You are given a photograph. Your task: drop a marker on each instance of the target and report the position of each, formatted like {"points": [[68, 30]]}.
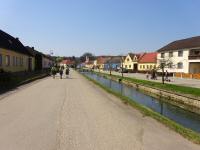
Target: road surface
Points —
{"points": [[74, 114]]}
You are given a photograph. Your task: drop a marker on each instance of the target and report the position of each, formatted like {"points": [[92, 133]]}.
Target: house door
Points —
{"points": [[135, 67]]}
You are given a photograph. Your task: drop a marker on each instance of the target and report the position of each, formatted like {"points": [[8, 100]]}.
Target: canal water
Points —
{"points": [[177, 114]]}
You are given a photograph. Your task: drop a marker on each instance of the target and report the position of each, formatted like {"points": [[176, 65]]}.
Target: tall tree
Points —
{"points": [[87, 54]]}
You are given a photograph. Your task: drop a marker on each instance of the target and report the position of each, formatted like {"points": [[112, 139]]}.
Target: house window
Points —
{"points": [[129, 66], [147, 66], [162, 55], [125, 66], [21, 61], [150, 66], [0, 60], [16, 61], [170, 65], [170, 54], [140, 66], [7, 60], [180, 65], [180, 53], [13, 61], [143, 66], [127, 59]]}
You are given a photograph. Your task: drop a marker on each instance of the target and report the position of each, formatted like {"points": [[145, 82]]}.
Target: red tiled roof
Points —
{"points": [[148, 58], [102, 60], [67, 62]]}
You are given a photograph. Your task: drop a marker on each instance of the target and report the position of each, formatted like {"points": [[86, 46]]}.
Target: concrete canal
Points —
{"points": [[177, 114]]}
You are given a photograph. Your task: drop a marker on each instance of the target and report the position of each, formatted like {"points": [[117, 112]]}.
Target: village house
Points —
{"points": [[14, 57], [101, 61], [89, 63], [41, 61], [131, 62], [147, 62], [47, 61], [114, 63], [184, 56], [67, 62]]}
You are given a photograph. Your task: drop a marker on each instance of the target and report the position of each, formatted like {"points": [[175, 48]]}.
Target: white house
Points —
{"points": [[183, 54]]}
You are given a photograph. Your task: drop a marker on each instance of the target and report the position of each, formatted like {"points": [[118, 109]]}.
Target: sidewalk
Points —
{"points": [[177, 81]]}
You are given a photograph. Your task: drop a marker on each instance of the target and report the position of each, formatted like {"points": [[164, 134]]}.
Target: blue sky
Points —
{"points": [[72, 27]]}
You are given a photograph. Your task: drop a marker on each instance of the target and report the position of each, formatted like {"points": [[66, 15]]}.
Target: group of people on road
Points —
{"points": [[153, 75], [60, 70]]}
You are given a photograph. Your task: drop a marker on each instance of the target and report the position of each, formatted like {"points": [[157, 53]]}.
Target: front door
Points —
{"points": [[135, 67]]}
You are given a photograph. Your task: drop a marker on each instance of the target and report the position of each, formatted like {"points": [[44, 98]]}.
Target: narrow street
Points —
{"points": [[74, 114]]}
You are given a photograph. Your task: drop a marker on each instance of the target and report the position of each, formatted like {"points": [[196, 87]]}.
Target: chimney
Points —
{"points": [[17, 38]]}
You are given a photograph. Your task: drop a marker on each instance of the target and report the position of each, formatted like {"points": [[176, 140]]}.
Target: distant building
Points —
{"points": [[67, 62], [147, 62], [184, 55], [14, 57], [41, 61], [131, 62], [101, 61], [114, 63]]}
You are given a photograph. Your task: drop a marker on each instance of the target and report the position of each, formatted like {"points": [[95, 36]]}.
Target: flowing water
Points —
{"points": [[177, 114]]}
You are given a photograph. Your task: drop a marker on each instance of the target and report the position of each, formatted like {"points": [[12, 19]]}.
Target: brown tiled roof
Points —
{"points": [[132, 55], [10, 43], [181, 44]]}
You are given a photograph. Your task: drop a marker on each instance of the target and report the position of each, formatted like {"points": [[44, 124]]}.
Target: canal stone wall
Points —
{"points": [[184, 101]]}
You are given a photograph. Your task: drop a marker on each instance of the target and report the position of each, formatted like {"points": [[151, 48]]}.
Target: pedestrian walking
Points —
{"points": [[67, 72], [147, 75], [53, 71], [61, 72]]}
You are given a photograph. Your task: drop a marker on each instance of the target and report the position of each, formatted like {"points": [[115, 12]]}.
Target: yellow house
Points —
{"points": [[131, 62], [147, 62], [14, 57]]}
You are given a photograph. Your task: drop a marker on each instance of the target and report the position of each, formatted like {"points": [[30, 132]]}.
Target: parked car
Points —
{"points": [[123, 70]]}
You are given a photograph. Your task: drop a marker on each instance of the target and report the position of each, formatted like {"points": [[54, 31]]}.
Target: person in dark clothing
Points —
{"points": [[67, 72], [53, 71], [61, 72]]}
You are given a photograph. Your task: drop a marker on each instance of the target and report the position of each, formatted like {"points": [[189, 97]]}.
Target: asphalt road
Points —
{"points": [[74, 114]]}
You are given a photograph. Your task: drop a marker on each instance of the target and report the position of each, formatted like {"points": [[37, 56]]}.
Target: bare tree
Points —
{"points": [[163, 64]]}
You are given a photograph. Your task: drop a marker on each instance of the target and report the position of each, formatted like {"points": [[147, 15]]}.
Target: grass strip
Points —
{"points": [[185, 132], [170, 87]]}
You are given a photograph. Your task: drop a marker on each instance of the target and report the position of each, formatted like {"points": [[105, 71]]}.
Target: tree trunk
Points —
{"points": [[163, 81]]}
